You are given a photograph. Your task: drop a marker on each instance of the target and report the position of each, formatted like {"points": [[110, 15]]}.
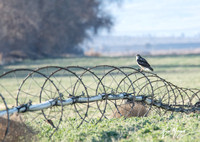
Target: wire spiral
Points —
{"points": [[51, 95]]}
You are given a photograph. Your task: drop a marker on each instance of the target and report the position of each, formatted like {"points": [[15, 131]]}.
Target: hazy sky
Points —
{"points": [[156, 17]]}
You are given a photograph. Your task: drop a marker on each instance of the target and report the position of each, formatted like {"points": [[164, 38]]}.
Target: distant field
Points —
{"points": [[183, 71], [180, 70]]}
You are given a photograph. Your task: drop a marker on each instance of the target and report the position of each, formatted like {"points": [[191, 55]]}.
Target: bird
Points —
{"points": [[143, 64]]}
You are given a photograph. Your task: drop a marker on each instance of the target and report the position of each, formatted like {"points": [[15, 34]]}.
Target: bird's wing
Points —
{"points": [[143, 62]]}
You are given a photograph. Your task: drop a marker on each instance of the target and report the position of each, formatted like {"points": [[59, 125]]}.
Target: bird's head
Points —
{"points": [[138, 56]]}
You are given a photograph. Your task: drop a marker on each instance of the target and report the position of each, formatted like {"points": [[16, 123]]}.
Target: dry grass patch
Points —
{"points": [[128, 110]]}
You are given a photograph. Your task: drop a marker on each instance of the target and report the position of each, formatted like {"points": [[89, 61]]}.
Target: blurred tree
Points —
{"points": [[48, 28]]}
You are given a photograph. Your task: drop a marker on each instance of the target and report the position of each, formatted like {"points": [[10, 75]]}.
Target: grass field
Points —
{"points": [[183, 71]]}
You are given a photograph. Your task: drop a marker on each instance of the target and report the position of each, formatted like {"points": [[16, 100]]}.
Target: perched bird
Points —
{"points": [[144, 65]]}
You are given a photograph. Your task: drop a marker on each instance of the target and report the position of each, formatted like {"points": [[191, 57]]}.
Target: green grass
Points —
{"points": [[153, 128], [183, 71], [179, 70]]}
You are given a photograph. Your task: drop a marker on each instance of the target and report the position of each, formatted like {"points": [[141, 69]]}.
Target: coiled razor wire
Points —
{"points": [[52, 94]]}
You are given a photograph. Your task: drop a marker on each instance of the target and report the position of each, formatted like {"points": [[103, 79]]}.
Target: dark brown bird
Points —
{"points": [[144, 65]]}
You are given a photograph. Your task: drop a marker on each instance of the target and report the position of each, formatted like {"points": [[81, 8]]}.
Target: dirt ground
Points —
{"points": [[17, 131]]}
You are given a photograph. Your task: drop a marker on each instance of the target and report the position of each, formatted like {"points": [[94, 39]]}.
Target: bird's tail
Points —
{"points": [[151, 68]]}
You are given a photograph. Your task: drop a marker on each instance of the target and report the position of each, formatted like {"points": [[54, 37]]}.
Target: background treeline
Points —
{"points": [[48, 28]]}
